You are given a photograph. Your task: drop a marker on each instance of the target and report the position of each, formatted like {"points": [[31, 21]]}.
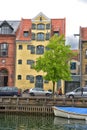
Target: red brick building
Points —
{"points": [[7, 52]]}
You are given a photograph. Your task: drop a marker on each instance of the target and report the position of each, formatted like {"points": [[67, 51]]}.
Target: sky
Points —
{"points": [[74, 11]]}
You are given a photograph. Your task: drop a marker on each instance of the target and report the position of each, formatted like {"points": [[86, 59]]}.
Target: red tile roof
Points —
{"points": [[25, 25], [58, 25], [76, 57]]}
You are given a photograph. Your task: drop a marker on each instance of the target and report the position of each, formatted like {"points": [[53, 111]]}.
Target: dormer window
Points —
{"points": [[26, 33], [5, 28], [56, 33]]}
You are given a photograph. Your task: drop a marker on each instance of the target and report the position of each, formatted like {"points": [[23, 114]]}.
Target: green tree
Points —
{"points": [[54, 62]]}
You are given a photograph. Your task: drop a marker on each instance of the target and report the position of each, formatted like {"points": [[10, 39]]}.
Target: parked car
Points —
{"points": [[78, 92], [10, 91], [39, 92]]}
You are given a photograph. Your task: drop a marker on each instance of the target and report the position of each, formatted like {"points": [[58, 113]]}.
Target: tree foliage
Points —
{"points": [[54, 62]]}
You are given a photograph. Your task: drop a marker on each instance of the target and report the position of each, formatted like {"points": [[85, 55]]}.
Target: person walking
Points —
{"points": [[59, 91]]}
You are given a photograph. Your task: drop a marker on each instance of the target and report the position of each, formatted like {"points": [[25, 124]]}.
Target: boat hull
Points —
{"points": [[69, 115]]}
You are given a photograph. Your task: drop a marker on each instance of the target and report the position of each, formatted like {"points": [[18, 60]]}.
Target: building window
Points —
{"points": [[5, 29], [32, 48], [39, 49], [47, 26], [19, 61], [47, 36], [19, 77], [31, 63], [85, 69], [73, 65], [56, 33], [40, 36], [20, 47], [26, 33], [41, 26], [86, 54], [33, 26], [31, 78], [33, 36], [3, 49]]}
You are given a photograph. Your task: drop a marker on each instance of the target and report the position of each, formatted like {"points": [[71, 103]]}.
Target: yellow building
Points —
{"points": [[31, 40]]}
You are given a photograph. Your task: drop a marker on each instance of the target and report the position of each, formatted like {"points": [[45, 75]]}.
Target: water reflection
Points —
{"points": [[71, 124], [31, 122]]}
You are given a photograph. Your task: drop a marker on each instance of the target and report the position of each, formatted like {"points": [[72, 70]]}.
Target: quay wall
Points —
{"points": [[38, 105]]}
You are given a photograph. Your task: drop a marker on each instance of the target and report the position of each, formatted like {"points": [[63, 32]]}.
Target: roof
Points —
{"points": [[58, 25], [25, 25], [76, 57], [13, 24]]}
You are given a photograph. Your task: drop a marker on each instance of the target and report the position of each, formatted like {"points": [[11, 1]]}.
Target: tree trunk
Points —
{"points": [[53, 87]]}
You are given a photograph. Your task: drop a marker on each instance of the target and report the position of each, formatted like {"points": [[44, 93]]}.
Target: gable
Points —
{"points": [[40, 17]]}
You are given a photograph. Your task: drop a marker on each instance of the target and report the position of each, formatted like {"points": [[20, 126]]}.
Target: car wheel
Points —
{"points": [[47, 94], [31, 94], [71, 96]]}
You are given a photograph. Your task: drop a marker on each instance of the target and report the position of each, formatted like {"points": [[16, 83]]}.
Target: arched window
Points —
{"points": [[3, 49], [40, 26], [40, 36], [40, 49]]}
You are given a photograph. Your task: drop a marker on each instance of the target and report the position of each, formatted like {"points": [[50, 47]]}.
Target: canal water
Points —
{"points": [[33, 122]]}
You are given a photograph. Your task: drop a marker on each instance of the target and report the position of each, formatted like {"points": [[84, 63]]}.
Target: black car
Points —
{"points": [[10, 91]]}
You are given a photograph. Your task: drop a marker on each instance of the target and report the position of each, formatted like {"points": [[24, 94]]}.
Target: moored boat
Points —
{"points": [[70, 112]]}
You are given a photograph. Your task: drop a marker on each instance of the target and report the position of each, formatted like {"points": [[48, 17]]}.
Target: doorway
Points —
{"points": [[3, 77]]}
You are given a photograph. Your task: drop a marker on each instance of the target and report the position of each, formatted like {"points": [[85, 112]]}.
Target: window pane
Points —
{"points": [[6, 30], [47, 26], [73, 65], [19, 77], [40, 26], [40, 37], [33, 26], [30, 62], [20, 47], [19, 61], [26, 33], [33, 36], [4, 49], [40, 50], [32, 48], [31, 78], [47, 36]]}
